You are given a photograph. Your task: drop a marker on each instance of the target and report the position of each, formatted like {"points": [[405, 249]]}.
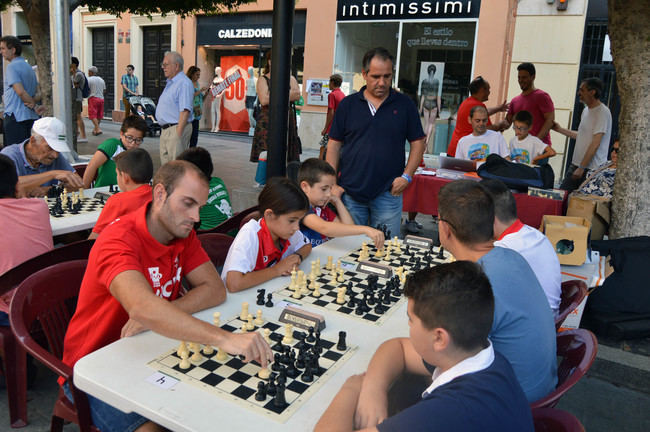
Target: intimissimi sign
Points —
{"points": [[353, 10]]}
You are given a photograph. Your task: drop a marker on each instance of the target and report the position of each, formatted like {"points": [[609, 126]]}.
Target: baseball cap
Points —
{"points": [[53, 130]]}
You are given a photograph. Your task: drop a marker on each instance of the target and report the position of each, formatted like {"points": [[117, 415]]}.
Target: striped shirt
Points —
{"points": [[131, 82]]}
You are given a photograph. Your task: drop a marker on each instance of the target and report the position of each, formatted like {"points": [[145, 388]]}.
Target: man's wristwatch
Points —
{"points": [[407, 177]]}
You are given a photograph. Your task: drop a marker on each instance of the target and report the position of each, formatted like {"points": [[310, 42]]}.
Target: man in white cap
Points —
{"points": [[38, 162]]}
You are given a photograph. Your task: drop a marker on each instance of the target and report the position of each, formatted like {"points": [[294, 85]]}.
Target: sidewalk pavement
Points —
{"points": [[615, 394]]}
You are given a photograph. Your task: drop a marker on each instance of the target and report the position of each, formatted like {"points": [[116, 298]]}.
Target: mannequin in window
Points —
{"points": [[251, 95], [430, 103], [215, 109]]}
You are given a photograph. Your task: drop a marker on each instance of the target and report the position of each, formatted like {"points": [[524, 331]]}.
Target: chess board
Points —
{"points": [[237, 381], [88, 205], [328, 287]]}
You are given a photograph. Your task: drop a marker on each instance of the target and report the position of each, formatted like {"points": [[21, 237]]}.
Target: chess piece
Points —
{"points": [[340, 278], [222, 355], [261, 293], [296, 291], [208, 350], [310, 337], [182, 348], [196, 357], [379, 253], [269, 300], [267, 336], [264, 373], [216, 317], [316, 292], [329, 263], [318, 272], [184, 363], [244, 327], [271, 389], [261, 391], [340, 297], [341, 346], [441, 253], [288, 334], [279, 399], [244, 311], [258, 321], [249, 322], [338, 265]]}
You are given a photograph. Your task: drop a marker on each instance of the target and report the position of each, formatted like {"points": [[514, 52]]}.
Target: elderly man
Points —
{"points": [[366, 142], [174, 110], [37, 159], [20, 92], [96, 99], [133, 283]]}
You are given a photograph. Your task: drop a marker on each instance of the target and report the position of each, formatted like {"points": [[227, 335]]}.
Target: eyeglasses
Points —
{"points": [[132, 139], [441, 219], [165, 64]]}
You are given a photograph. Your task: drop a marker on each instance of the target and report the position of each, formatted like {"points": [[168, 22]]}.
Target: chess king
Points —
{"points": [[119, 297]]}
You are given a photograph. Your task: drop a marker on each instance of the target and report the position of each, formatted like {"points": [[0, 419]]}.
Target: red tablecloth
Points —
{"points": [[422, 196]]}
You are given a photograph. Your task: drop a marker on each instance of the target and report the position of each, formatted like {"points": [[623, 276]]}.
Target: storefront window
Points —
{"points": [[436, 61], [352, 42]]}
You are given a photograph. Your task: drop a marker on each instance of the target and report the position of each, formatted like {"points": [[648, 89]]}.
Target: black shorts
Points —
{"points": [[250, 102]]}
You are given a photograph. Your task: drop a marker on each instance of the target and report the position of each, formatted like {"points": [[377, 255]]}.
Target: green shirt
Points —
{"points": [[217, 209], [106, 174]]}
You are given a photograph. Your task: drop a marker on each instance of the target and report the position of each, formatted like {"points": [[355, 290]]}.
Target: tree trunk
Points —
{"points": [[630, 41], [37, 15]]}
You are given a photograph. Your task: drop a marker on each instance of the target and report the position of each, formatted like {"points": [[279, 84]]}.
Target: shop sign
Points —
{"points": [[245, 33], [354, 10]]}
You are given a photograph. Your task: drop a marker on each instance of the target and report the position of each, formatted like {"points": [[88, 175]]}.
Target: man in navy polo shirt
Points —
{"points": [[367, 145]]}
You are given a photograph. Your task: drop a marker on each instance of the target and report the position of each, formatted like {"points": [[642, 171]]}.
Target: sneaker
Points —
{"points": [[412, 226]]}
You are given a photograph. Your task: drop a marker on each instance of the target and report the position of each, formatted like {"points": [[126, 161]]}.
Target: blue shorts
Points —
{"points": [[107, 418]]}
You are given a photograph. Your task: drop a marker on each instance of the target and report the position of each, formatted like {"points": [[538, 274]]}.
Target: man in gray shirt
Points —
{"points": [[78, 83]]}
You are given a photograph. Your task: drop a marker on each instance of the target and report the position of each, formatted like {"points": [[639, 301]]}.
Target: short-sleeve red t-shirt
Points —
{"points": [[333, 100], [463, 126], [121, 204], [538, 103], [126, 244]]}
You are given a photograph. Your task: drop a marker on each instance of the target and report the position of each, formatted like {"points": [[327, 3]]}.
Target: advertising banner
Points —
{"points": [[234, 116]]}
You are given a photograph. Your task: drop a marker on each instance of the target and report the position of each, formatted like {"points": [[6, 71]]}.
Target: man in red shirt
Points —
{"points": [[333, 99], [133, 283], [134, 171], [479, 90], [533, 100]]}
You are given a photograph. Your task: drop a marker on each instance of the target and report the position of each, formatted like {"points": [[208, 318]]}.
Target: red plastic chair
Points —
{"points": [[231, 224], [216, 246], [578, 349], [573, 292], [49, 298], [555, 420], [12, 353]]}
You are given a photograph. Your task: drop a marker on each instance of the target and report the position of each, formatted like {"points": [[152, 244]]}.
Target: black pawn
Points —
{"points": [[341, 346], [261, 391], [308, 375], [271, 389], [441, 253], [379, 309], [310, 337], [269, 300], [279, 400], [276, 362]]}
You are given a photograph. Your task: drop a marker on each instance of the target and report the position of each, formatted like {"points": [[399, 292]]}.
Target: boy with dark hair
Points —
{"points": [[316, 179], [334, 98], [523, 329], [134, 172], [536, 249], [525, 148], [218, 208], [473, 388]]}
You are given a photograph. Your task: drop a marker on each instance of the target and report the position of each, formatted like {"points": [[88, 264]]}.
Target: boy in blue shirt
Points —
{"points": [[473, 387], [316, 179]]}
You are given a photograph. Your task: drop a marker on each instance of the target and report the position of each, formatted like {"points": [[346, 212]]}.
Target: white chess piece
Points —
{"points": [[258, 321], [288, 334], [185, 362], [216, 317], [249, 322], [244, 311], [222, 355], [318, 272], [316, 292], [267, 336]]}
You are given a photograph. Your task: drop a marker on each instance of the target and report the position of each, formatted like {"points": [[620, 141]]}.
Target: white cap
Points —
{"points": [[53, 131]]}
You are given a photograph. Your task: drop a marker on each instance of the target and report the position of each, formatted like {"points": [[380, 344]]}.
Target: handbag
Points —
{"points": [[257, 109]]}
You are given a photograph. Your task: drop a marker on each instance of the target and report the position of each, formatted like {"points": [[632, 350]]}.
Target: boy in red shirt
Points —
{"points": [[334, 98], [134, 171]]}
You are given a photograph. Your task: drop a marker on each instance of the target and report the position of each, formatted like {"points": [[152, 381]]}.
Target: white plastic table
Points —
{"points": [[78, 222]]}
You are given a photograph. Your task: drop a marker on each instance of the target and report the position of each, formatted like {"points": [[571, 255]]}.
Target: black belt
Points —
{"points": [[168, 125]]}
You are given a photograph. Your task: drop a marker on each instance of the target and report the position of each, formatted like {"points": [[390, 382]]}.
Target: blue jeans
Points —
{"points": [[384, 209], [107, 418]]}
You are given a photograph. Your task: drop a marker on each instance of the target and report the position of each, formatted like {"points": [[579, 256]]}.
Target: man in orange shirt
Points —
{"points": [[134, 171]]}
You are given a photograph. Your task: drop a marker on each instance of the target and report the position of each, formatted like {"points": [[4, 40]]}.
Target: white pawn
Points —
{"points": [[196, 357], [296, 292], [340, 297], [222, 355], [258, 321], [208, 350], [264, 373], [267, 336], [288, 334], [316, 292], [329, 263], [338, 265], [340, 278], [185, 363], [182, 348], [216, 317], [249, 322], [318, 272]]}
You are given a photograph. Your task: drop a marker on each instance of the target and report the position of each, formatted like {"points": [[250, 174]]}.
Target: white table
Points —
{"points": [[117, 373], [78, 222]]}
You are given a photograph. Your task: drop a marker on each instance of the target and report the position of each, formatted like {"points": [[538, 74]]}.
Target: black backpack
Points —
{"points": [[85, 90], [515, 175]]}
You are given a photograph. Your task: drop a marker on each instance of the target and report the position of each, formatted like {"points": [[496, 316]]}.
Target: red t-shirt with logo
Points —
{"points": [[125, 245], [121, 204], [463, 126]]}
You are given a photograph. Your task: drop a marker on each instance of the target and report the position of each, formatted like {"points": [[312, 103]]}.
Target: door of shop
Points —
{"points": [[103, 59], [157, 41]]}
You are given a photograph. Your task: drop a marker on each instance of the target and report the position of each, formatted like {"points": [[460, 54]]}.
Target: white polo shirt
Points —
{"points": [[540, 255]]}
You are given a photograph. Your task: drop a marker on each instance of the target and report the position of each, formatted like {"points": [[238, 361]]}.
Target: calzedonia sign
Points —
{"points": [[375, 10]]}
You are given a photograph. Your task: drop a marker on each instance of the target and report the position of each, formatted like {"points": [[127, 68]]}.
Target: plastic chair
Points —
{"points": [[578, 350], [216, 246], [231, 224], [49, 298], [555, 420], [252, 215], [13, 354], [573, 292]]}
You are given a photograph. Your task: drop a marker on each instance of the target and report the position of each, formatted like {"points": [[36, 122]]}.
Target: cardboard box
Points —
{"points": [[593, 208], [569, 237]]}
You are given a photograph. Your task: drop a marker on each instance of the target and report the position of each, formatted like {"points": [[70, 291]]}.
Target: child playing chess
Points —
{"points": [[525, 148], [134, 170], [316, 178], [473, 387], [272, 246]]}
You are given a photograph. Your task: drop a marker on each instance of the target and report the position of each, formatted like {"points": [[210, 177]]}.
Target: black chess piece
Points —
{"points": [[101, 199], [261, 391], [441, 253], [276, 362], [300, 360], [292, 372], [310, 337], [352, 302], [110, 188], [279, 399], [341, 346], [269, 300], [282, 377], [379, 309], [270, 388], [308, 375], [261, 293]]}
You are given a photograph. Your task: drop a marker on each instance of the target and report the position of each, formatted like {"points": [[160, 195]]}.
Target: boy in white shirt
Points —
{"points": [[482, 141], [525, 148]]}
